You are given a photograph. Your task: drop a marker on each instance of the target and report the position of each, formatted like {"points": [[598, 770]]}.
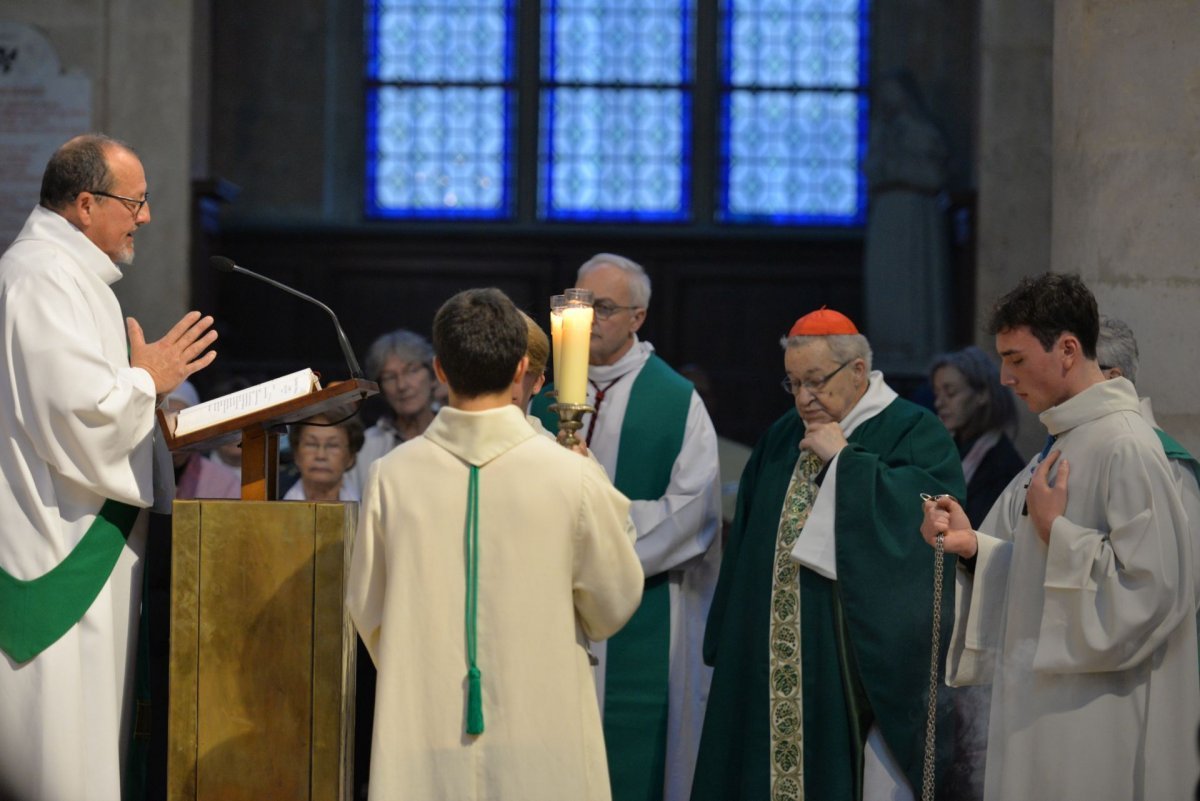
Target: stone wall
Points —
{"points": [[139, 57], [1127, 182]]}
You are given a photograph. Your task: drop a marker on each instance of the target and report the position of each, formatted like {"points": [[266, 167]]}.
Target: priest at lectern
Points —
{"points": [[486, 555], [77, 461]]}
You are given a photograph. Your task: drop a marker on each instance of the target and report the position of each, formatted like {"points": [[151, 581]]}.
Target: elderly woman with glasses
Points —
{"points": [[981, 414], [324, 448], [401, 361]]}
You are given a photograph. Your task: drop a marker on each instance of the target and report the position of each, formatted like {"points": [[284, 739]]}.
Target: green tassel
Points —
{"points": [[474, 702]]}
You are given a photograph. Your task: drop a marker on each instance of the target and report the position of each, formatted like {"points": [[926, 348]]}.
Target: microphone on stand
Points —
{"points": [[227, 266]]}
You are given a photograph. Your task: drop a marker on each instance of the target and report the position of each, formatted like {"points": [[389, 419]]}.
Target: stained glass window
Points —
{"points": [[615, 110], [440, 95], [616, 99], [793, 111]]}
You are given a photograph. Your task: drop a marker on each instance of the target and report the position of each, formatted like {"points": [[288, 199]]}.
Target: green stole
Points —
{"points": [[638, 656], [1177, 452], [36, 613]]}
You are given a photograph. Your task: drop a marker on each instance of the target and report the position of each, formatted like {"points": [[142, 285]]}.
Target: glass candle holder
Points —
{"points": [[571, 377], [557, 304]]}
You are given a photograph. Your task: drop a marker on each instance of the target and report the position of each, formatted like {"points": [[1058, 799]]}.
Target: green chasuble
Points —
{"points": [[637, 659], [865, 638]]}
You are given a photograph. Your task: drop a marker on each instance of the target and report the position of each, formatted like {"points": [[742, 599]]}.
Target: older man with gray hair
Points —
{"points": [[79, 386], [655, 440], [820, 628]]}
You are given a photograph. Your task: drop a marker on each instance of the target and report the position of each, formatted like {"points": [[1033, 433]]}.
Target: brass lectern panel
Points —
{"points": [[263, 668]]}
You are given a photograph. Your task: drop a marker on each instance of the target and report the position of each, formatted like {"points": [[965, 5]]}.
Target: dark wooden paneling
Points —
{"points": [[718, 303]]}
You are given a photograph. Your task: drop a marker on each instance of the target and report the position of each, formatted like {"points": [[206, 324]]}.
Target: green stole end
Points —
{"points": [[638, 656], [471, 550], [36, 613]]}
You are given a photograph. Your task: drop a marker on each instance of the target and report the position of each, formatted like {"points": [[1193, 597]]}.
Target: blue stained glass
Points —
{"points": [[793, 123], [442, 152], [615, 110], [794, 154], [634, 42], [614, 154], [440, 101], [795, 46], [437, 40]]}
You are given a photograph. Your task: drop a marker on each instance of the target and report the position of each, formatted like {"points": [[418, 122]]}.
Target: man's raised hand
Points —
{"points": [[181, 352], [1046, 501]]}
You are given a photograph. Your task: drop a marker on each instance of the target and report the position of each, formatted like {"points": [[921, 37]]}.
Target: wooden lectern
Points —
{"points": [[262, 648]]}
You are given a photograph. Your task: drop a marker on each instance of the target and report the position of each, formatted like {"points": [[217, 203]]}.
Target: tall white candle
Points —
{"points": [[571, 380]]}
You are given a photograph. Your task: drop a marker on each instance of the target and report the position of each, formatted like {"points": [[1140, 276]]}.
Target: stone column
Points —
{"points": [[1014, 160], [1127, 182]]}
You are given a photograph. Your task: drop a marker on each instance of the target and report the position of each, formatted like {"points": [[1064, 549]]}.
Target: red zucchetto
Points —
{"points": [[823, 322]]}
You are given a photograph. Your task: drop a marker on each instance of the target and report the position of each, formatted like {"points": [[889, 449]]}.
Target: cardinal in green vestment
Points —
{"points": [[820, 629]]}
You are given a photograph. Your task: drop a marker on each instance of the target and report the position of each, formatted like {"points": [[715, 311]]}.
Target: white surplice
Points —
{"points": [[678, 533], [556, 566], [77, 427], [1089, 642]]}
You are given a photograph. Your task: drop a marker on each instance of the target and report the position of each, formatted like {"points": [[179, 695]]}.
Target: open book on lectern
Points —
{"points": [[246, 401], [265, 407]]}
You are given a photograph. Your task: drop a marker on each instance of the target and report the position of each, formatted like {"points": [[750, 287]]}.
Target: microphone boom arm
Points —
{"points": [[347, 351]]}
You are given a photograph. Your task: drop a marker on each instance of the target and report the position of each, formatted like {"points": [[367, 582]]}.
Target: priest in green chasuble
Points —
{"points": [[654, 438], [820, 629]]}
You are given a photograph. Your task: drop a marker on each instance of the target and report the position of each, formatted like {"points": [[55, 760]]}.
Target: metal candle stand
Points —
{"points": [[570, 420]]}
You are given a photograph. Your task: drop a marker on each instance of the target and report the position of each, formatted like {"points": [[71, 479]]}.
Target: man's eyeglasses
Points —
{"points": [[813, 386], [136, 206], [606, 308]]}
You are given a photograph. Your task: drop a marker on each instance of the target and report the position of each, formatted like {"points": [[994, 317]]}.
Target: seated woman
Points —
{"points": [[402, 363], [981, 414], [325, 447]]}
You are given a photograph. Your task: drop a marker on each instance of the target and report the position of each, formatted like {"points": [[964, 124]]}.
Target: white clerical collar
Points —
{"points": [[877, 398], [1098, 400], [479, 437], [634, 358], [46, 224], [1147, 411]]}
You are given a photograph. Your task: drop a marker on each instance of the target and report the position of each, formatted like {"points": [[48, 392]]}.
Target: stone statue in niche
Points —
{"points": [[906, 271]]}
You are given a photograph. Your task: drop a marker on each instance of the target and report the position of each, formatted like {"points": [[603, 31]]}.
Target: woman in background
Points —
{"points": [[980, 413], [402, 363], [324, 449]]}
